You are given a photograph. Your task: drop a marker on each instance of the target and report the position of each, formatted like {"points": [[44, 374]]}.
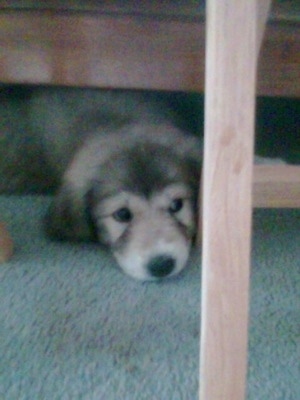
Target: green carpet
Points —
{"points": [[73, 326]]}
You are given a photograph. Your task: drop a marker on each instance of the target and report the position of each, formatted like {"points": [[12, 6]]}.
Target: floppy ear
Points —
{"points": [[194, 172], [191, 152], [194, 165], [69, 218]]}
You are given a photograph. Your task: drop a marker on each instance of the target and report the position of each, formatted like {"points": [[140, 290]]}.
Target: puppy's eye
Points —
{"points": [[123, 215], [175, 206]]}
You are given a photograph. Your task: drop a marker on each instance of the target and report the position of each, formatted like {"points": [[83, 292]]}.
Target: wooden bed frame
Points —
{"points": [[162, 47]]}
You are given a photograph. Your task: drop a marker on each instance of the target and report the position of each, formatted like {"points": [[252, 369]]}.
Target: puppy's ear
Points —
{"points": [[194, 165], [69, 218], [194, 172], [192, 152]]}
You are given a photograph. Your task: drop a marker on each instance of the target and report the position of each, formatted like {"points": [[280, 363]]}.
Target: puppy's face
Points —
{"points": [[150, 237], [141, 203]]}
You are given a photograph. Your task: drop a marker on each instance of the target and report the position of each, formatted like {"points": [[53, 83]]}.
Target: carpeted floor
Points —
{"points": [[72, 326]]}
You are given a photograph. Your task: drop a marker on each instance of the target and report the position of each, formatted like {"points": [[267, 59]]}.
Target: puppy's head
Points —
{"points": [[141, 203]]}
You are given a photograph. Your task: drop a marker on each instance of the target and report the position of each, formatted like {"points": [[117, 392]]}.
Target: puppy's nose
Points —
{"points": [[161, 266]]}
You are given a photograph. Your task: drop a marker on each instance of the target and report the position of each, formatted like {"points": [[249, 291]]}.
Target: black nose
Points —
{"points": [[161, 266]]}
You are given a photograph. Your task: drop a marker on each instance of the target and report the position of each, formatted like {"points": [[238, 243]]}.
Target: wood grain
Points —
{"points": [[276, 186], [146, 51], [106, 51], [231, 53]]}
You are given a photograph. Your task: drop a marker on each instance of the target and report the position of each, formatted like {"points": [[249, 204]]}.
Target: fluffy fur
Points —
{"points": [[126, 175]]}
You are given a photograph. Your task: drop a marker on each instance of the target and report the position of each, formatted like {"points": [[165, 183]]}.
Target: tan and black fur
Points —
{"points": [[125, 174]]}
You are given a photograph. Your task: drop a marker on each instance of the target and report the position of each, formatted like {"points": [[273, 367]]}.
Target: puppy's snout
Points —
{"points": [[161, 266]]}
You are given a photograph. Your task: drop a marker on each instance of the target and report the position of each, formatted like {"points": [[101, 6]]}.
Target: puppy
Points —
{"points": [[127, 175]]}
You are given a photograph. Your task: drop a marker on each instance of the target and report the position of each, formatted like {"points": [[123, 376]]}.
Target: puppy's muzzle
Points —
{"points": [[161, 266]]}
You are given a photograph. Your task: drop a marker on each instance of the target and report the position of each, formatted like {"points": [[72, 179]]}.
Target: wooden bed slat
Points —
{"points": [[276, 186], [127, 51]]}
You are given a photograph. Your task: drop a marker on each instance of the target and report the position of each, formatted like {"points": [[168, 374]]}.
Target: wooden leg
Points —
{"points": [[231, 57], [6, 244], [262, 11]]}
